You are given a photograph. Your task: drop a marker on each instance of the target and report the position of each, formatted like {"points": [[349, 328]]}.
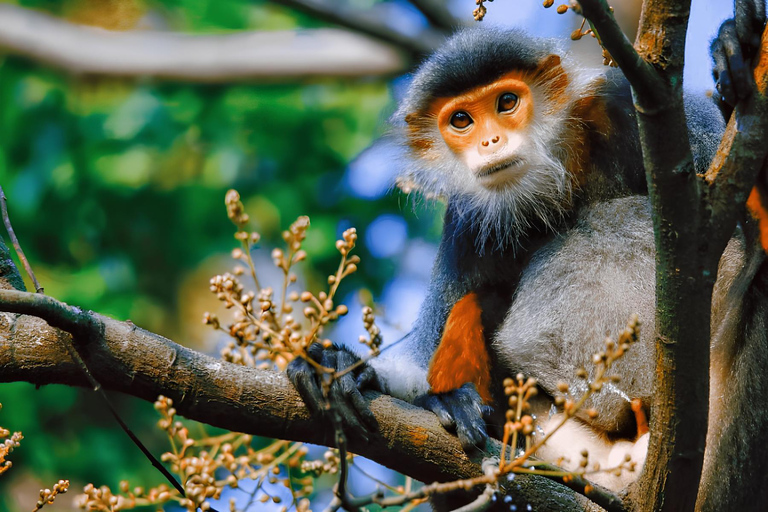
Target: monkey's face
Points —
{"points": [[496, 152], [487, 129]]}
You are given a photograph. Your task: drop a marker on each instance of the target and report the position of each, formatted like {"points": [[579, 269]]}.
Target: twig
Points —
{"points": [[641, 75], [15, 242], [606, 498], [482, 502]]}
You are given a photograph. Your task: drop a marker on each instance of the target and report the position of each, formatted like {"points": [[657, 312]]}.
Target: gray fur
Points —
{"points": [[584, 284]]}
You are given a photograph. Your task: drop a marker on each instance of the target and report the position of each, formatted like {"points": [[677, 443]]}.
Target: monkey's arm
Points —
{"points": [[444, 365], [459, 374], [402, 370]]}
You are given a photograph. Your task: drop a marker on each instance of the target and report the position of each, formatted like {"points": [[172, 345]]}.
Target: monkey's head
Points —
{"points": [[487, 122]]}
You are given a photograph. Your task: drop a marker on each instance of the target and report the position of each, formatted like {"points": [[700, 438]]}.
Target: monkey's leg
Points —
{"points": [[605, 456], [459, 375]]}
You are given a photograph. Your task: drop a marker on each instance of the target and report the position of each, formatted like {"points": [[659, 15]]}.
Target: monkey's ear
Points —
{"points": [[550, 61], [550, 75], [411, 118]]}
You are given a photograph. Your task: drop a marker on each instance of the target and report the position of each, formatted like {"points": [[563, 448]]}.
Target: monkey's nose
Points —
{"points": [[494, 140]]}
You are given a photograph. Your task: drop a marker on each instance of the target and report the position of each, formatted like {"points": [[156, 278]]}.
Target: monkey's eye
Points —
{"points": [[507, 102], [461, 120]]}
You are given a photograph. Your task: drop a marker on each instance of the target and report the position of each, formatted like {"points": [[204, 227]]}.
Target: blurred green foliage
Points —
{"points": [[116, 191]]}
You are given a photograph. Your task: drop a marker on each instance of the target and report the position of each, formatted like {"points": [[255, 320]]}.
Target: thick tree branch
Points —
{"points": [[131, 360], [136, 362], [215, 58], [368, 23], [686, 259]]}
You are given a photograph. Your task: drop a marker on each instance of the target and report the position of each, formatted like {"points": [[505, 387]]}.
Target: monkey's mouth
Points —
{"points": [[491, 169]]}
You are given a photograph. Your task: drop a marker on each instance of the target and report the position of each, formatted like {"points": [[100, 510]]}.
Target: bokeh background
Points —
{"points": [[115, 187]]}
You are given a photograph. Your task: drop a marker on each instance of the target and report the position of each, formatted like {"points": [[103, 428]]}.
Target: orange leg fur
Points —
{"points": [[462, 355], [756, 206], [642, 421]]}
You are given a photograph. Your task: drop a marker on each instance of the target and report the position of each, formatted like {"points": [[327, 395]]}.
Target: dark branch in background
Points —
{"points": [[195, 58], [15, 242], [131, 360], [438, 14], [342, 497], [368, 22]]}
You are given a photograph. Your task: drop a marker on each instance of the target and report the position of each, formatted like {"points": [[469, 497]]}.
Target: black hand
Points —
{"points": [[737, 42], [345, 392], [462, 411]]}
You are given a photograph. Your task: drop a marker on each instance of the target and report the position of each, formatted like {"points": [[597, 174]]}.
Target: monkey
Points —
{"points": [[547, 244]]}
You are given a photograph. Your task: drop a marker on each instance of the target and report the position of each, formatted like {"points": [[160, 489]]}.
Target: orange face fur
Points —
{"points": [[486, 126]]}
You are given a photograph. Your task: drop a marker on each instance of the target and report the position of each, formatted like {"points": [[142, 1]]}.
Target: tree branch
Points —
{"points": [[260, 402], [686, 255], [215, 58], [368, 23], [130, 360]]}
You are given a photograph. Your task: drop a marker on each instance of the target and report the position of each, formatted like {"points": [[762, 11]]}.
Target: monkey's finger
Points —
{"points": [[369, 379], [360, 405], [749, 17], [470, 428], [348, 386], [341, 390], [738, 69], [338, 398], [466, 406], [434, 404], [340, 401], [315, 351], [722, 76], [303, 377]]}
